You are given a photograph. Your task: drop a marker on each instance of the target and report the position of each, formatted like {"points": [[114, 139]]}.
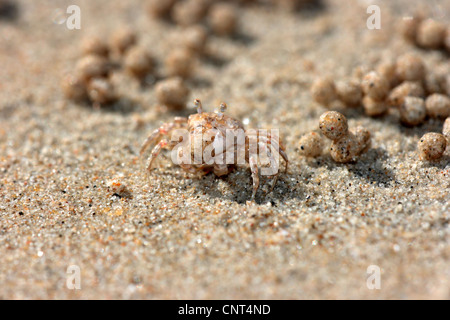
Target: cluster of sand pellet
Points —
{"points": [[427, 33], [404, 84]]}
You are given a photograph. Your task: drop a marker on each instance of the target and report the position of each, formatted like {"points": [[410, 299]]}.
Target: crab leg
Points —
{"points": [[253, 160], [161, 131], [155, 152], [277, 147], [150, 140]]}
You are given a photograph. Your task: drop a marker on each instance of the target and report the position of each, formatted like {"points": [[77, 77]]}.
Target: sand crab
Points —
{"points": [[223, 143]]}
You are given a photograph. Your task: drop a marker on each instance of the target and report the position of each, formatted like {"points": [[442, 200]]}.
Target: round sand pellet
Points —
{"points": [[92, 66], [350, 92], [190, 12], [159, 8], [323, 91], [180, 62], [311, 145], [409, 27], [438, 105], [446, 130], [447, 85], [435, 80], [410, 67], [413, 111], [223, 19], [292, 5], [387, 70], [74, 88], [363, 138], [447, 39], [172, 93], [374, 108], [345, 149], [101, 91], [123, 39], [432, 146], [95, 46], [138, 62], [375, 86], [194, 39], [408, 88], [431, 34], [333, 125]]}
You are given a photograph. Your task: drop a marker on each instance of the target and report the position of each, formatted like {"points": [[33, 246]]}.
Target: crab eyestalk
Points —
{"points": [[222, 109], [198, 105]]}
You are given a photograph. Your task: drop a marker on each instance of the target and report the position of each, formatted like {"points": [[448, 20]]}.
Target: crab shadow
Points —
{"points": [[238, 188]]}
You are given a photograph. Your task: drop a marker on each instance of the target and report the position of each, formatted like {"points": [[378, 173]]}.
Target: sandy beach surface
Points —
{"points": [[183, 237]]}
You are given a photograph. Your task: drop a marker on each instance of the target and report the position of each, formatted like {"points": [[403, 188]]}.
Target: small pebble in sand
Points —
{"points": [[323, 91], [190, 12], [410, 67], [375, 86], [180, 62], [374, 108], [101, 91], [333, 125], [446, 129], [74, 88], [123, 39], [95, 46], [223, 19], [159, 8], [119, 189], [311, 145], [194, 39], [349, 92], [172, 93], [431, 34], [413, 111], [92, 66], [408, 88], [432, 146], [138, 62], [438, 106]]}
